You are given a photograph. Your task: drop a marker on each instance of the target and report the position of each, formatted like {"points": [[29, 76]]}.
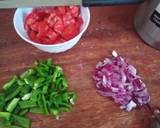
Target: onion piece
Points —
{"points": [[118, 79]]}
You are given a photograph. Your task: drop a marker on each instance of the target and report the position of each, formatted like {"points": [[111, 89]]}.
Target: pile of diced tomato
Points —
{"points": [[51, 25]]}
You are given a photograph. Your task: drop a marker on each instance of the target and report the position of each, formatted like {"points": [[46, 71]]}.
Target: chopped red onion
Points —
{"points": [[118, 79]]}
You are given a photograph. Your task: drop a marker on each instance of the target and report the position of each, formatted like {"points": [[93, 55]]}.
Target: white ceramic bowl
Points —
{"points": [[18, 21]]}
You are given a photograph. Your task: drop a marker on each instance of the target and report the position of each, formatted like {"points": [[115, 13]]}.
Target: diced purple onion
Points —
{"points": [[118, 79]]}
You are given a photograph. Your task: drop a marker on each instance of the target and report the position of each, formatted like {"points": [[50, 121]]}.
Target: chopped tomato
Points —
{"points": [[67, 19], [42, 29], [74, 10], [49, 25], [46, 40], [70, 31], [59, 26], [51, 19], [55, 22], [52, 35], [42, 15], [79, 22], [61, 10], [30, 19], [60, 40], [33, 36], [34, 26]]}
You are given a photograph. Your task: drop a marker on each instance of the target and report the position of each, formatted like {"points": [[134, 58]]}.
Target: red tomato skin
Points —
{"points": [[42, 29], [70, 32], [51, 20], [46, 40], [34, 26], [59, 40], [52, 35], [68, 18], [75, 10], [50, 25], [30, 19], [59, 25], [79, 22], [32, 35], [61, 10]]}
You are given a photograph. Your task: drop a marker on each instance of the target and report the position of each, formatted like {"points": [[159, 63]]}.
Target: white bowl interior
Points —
{"points": [[20, 16]]}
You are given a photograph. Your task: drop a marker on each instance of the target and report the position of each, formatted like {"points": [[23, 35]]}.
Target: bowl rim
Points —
{"points": [[48, 45]]}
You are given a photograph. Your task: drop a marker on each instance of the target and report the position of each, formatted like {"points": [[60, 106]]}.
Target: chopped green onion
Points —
{"points": [[22, 121], [41, 71], [38, 83], [14, 126], [37, 110], [2, 101], [35, 94], [10, 83], [12, 105], [11, 89], [73, 97], [4, 123], [17, 110], [14, 93], [29, 72], [55, 111], [26, 89], [65, 107], [20, 82], [29, 80], [40, 100], [42, 89], [5, 115], [27, 96], [45, 89], [57, 73], [23, 112], [27, 104], [45, 104]]}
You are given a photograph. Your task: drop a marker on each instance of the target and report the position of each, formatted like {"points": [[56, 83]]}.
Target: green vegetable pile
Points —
{"points": [[42, 89]]}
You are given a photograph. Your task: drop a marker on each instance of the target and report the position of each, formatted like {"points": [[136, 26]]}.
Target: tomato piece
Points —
{"points": [[67, 19], [46, 40], [51, 20], [55, 22], [70, 31], [60, 40], [34, 26], [42, 29], [79, 22], [26, 27], [75, 10], [32, 35], [52, 35], [61, 10], [50, 25], [58, 26], [42, 15], [30, 19]]}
